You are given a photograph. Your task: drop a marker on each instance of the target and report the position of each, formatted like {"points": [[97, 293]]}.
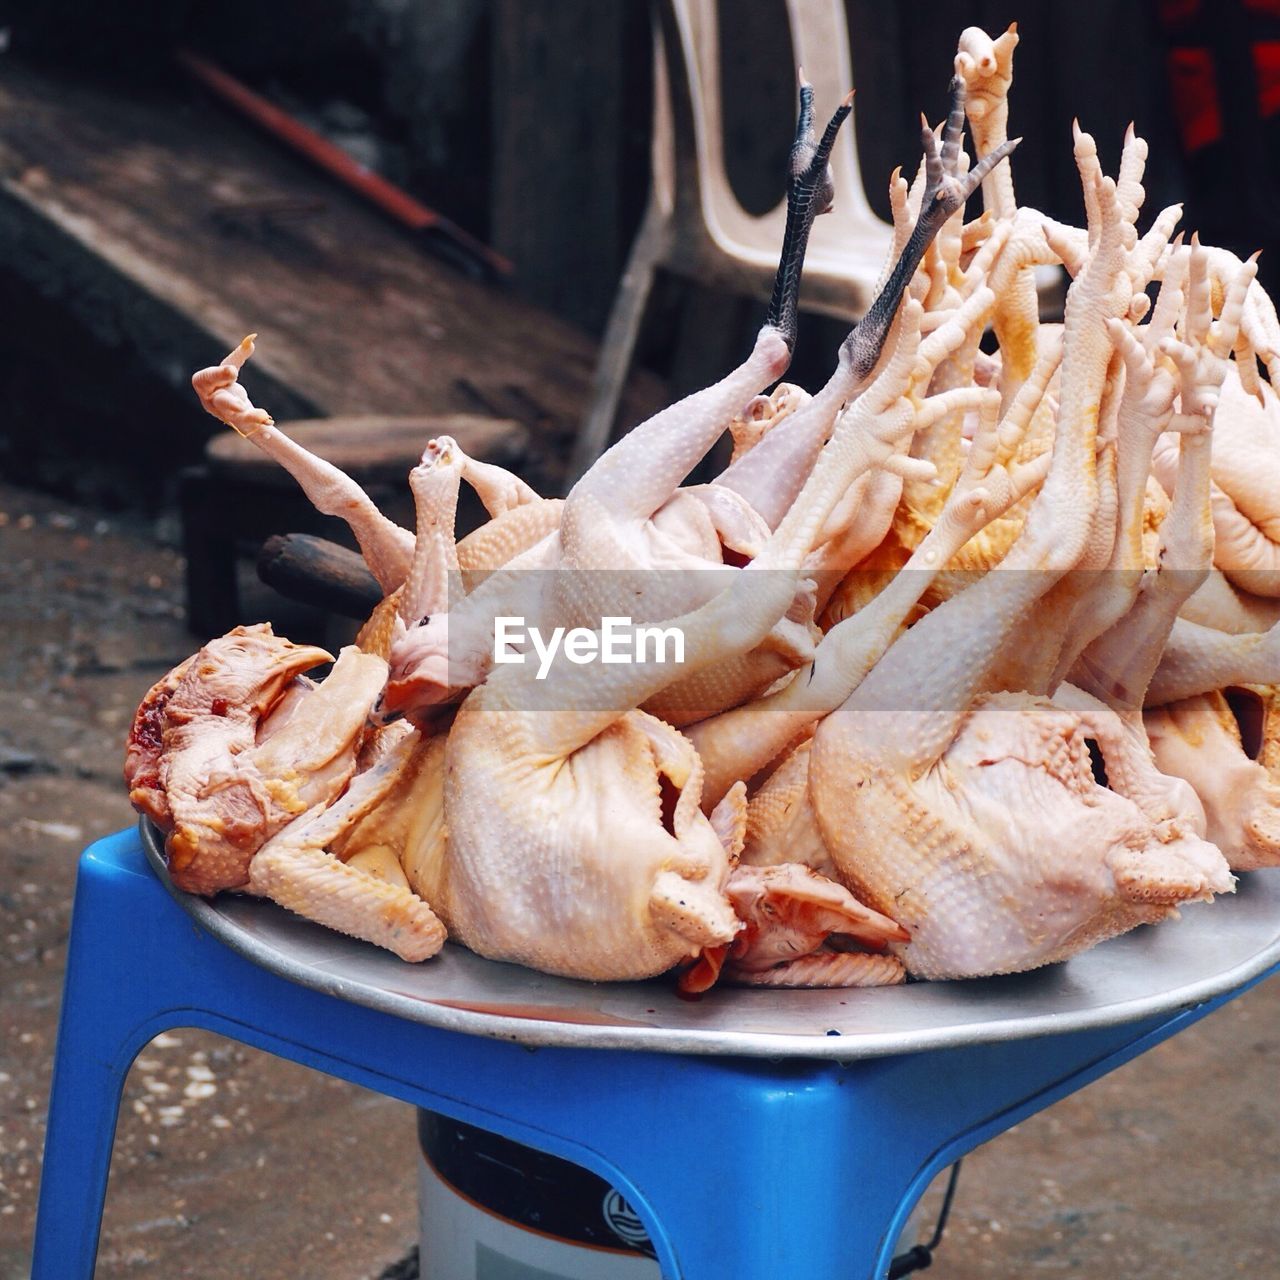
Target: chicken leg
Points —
{"points": [[913, 778]]}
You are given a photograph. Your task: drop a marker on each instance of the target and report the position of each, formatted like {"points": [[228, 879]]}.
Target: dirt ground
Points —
{"points": [[231, 1163]]}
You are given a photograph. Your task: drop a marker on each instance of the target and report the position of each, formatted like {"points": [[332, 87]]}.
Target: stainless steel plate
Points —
{"points": [[1213, 949]]}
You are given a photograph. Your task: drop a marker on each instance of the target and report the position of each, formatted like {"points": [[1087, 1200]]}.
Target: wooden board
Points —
{"points": [[169, 229], [571, 107], [372, 448]]}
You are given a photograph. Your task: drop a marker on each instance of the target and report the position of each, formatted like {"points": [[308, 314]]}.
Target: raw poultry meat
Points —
{"points": [[613, 517], [240, 746], [978, 662]]}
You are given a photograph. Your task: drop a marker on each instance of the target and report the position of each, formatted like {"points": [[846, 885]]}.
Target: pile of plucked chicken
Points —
{"points": [[979, 658]]}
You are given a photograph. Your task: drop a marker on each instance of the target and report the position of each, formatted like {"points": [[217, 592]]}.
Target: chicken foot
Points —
{"points": [[770, 475], [739, 743], [1120, 664], [910, 777], [386, 547]]}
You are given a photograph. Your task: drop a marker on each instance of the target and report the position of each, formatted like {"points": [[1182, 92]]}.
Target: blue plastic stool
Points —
{"points": [[702, 1147]]}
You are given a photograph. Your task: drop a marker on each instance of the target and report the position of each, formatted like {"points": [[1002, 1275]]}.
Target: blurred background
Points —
{"points": [[157, 202], [526, 123]]}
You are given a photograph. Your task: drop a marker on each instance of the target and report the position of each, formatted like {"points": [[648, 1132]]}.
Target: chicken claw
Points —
{"points": [[222, 395], [947, 187], [809, 193]]}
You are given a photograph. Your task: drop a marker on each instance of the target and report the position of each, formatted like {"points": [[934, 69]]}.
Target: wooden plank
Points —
{"points": [[571, 116], [169, 230], [372, 448]]}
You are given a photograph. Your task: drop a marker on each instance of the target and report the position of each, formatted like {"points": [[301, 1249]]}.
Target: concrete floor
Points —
{"points": [[229, 1163]]}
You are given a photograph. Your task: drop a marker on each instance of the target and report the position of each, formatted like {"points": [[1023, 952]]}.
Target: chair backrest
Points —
{"points": [[820, 40]]}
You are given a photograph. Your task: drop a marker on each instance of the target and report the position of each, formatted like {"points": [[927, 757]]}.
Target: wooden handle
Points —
{"points": [[465, 249], [318, 572]]}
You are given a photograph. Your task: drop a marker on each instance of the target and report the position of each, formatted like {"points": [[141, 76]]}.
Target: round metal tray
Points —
{"points": [[1212, 949]]}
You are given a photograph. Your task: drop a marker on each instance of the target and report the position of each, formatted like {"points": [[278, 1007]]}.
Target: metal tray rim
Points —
{"points": [[534, 1032]]}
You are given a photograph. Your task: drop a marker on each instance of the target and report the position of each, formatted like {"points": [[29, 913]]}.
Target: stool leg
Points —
{"points": [[791, 1171], [747, 1168], [743, 1169], [99, 1033], [618, 347]]}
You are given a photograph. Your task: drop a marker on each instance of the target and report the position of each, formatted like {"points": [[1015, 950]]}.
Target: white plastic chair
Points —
{"points": [[694, 224]]}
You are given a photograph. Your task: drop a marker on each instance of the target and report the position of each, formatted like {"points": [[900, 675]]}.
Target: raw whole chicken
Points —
{"points": [[233, 747], [965, 662]]}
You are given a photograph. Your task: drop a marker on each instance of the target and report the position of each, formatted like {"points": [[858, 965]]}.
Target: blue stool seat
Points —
{"points": [[785, 1167]]}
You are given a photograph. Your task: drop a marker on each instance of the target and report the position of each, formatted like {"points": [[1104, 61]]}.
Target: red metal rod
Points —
{"points": [[335, 161]]}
